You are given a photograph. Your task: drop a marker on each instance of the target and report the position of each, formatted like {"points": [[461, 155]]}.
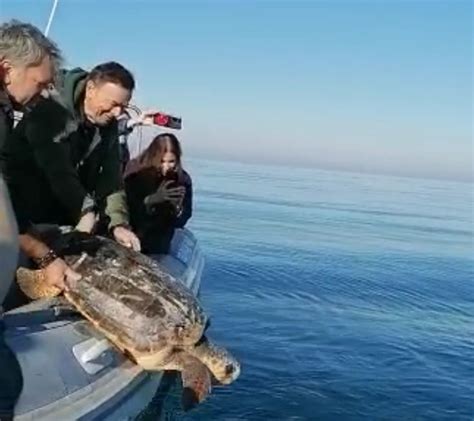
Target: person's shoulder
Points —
{"points": [[140, 175], [47, 113], [6, 107], [186, 178]]}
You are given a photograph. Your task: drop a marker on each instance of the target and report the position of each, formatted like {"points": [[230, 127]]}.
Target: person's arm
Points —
{"points": [[8, 242], [20, 209], [22, 220], [109, 187], [5, 129], [52, 155], [87, 222], [32, 247], [55, 269], [127, 124], [135, 192]]}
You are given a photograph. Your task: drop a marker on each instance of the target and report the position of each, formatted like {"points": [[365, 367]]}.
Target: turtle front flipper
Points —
{"points": [[32, 283], [224, 366], [196, 379], [195, 376]]}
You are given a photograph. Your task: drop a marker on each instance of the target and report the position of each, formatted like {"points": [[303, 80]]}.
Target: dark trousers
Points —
{"points": [[11, 379]]}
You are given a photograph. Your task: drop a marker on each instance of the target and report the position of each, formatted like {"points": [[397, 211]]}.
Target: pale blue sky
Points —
{"points": [[363, 85]]}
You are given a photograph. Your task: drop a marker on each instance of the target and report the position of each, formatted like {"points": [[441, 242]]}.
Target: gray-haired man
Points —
{"points": [[27, 65]]}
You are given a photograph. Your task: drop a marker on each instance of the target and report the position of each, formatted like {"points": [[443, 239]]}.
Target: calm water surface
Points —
{"points": [[346, 296]]}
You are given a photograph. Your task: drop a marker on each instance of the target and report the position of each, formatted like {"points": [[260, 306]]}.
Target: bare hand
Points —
{"points": [[87, 222], [56, 273], [127, 238], [146, 118]]}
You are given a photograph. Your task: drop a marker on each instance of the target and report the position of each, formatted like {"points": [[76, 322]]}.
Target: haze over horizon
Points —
{"points": [[353, 85]]}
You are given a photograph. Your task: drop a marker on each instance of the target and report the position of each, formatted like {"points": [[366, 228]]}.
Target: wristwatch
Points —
{"points": [[46, 260]]}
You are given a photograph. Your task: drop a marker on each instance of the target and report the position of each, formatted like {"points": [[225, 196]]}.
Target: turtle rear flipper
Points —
{"points": [[32, 283]]}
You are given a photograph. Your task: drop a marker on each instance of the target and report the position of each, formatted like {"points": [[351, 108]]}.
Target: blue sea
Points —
{"points": [[346, 296]]}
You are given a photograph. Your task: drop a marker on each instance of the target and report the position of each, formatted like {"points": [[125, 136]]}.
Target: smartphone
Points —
{"points": [[167, 120], [173, 177]]}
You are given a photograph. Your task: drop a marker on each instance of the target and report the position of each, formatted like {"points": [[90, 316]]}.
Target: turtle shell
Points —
{"points": [[126, 295]]}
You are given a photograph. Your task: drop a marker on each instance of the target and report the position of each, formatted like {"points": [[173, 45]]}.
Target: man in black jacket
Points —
{"points": [[27, 63]]}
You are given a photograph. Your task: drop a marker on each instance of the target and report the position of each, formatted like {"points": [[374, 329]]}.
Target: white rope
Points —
{"points": [[51, 16]]}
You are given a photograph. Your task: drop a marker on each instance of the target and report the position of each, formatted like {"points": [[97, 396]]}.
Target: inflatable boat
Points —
{"points": [[70, 371]]}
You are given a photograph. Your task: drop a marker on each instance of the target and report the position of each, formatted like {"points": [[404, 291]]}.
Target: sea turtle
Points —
{"points": [[150, 316]]}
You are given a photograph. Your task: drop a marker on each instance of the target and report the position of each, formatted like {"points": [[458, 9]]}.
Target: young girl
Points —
{"points": [[159, 193]]}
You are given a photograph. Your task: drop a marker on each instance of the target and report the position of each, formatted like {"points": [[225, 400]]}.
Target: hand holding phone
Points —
{"points": [[167, 120]]}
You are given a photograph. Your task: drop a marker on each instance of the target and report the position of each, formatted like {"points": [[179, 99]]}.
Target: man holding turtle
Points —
{"points": [[62, 159]]}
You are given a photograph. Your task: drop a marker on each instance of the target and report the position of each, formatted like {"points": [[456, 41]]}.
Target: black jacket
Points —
{"points": [[155, 227], [11, 380], [6, 128], [6, 118]]}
